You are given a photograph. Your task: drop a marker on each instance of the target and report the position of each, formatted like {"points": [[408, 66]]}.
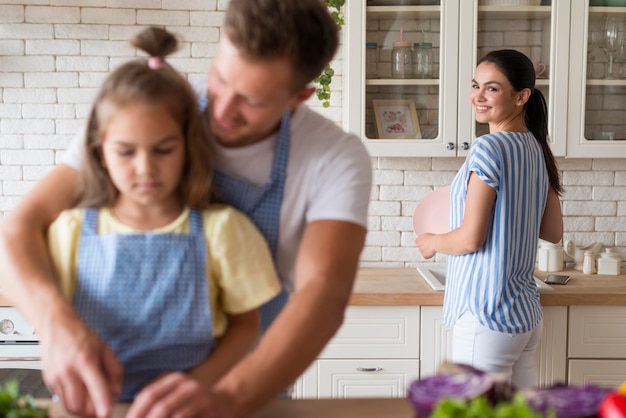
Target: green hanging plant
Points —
{"points": [[324, 79]]}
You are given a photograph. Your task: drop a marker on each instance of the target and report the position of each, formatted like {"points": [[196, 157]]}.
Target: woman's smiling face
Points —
{"points": [[494, 99]]}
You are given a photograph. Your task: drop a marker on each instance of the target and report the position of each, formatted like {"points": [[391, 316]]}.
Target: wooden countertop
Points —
{"points": [[306, 408], [405, 286]]}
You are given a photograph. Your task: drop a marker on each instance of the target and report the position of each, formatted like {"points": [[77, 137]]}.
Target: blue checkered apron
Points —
{"points": [[262, 205], [147, 296]]}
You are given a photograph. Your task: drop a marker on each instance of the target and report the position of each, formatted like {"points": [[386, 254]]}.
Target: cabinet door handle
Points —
{"points": [[369, 369], [465, 146]]}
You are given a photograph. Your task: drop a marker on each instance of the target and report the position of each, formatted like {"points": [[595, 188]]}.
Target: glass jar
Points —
{"points": [[401, 60], [423, 60], [371, 60]]}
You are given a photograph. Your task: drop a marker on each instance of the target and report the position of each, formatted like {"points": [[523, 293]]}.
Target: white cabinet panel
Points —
{"points": [[436, 340], [550, 357], [377, 332], [306, 385], [365, 378], [597, 332], [606, 373]]}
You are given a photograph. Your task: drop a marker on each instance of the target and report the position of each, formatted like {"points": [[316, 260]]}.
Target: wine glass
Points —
{"points": [[613, 34], [594, 45]]}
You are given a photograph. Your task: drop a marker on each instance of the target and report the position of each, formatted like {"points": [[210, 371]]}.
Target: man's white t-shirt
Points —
{"points": [[329, 177]]}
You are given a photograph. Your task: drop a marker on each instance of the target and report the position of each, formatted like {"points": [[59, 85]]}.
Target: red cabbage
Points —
{"points": [[567, 401], [425, 394]]}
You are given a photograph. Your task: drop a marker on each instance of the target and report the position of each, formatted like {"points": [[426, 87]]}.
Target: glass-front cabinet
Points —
{"points": [[597, 86], [412, 109], [410, 64]]}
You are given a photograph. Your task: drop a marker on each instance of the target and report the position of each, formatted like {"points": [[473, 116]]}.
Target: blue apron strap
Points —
{"points": [[90, 221]]}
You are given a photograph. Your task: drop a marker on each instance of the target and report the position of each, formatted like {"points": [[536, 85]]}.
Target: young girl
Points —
{"points": [[169, 281], [504, 197]]}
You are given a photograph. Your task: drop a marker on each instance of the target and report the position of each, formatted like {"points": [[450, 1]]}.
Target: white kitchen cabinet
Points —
{"points": [[375, 353], [605, 373], [435, 99], [550, 358], [597, 106], [597, 345], [436, 340], [379, 350], [555, 33]]}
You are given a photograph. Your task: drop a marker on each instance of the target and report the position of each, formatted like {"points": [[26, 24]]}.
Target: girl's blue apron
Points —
{"points": [[262, 205], [138, 292]]}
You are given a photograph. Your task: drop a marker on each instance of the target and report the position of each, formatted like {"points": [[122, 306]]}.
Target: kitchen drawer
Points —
{"points": [[365, 378], [606, 373], [377, 332], [597, 332]]}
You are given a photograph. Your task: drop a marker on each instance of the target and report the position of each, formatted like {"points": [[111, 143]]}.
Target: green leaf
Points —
{"points": [[326, 77], [12, 405]]}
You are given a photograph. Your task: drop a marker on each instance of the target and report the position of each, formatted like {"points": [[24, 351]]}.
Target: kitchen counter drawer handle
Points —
{"points": [[369, 369]]}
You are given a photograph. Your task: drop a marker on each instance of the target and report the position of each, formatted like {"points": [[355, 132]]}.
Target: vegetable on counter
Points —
{"points": [[481, 408], [614, 405], [13, 405], [460, 391]]}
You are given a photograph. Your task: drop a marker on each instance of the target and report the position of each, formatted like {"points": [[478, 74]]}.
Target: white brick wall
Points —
{"points": [[55, 53]]}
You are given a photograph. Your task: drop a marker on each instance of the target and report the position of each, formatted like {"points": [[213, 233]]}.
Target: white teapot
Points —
{"points": [[578, 253], [550, 256]]}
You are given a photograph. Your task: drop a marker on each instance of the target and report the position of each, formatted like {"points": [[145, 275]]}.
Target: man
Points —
{"points": [[301, 179]]}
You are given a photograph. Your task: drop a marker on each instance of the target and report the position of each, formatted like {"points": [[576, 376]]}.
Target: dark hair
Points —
{"points": [[519, 70], [302, 31], [148, 81]]}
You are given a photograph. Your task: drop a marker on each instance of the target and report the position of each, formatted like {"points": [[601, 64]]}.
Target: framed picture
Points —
{"points": [[396, 119]]}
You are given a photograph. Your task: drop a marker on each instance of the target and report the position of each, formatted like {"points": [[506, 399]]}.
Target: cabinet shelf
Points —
{"points": [[424, 12], [515, 12], [606, 82], [402, 82]]}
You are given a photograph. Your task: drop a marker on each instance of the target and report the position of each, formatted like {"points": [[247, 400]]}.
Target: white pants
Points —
{"points": [[497, 352]]}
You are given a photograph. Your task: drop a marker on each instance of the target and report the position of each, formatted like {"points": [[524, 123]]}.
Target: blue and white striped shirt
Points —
{"points": [[496, 282]]}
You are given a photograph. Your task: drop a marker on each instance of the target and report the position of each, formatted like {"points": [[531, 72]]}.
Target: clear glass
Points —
{"points": [[605, 88], [620, 62], [614, 32], [401, 62], [422, 60], [371, 60], [596, 54]]}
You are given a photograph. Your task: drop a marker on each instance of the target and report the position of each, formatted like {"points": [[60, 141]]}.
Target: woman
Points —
{"points": [[504, 197]]}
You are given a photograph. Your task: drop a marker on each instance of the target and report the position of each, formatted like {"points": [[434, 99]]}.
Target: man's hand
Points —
{"points": [[79, 367], [178, 395]]}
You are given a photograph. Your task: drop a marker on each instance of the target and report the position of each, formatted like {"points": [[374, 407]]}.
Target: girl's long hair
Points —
{"points": [[150, 81]]}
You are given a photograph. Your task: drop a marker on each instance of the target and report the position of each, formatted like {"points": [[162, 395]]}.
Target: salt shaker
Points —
{"points": [[589, 262], [401, 58]]}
